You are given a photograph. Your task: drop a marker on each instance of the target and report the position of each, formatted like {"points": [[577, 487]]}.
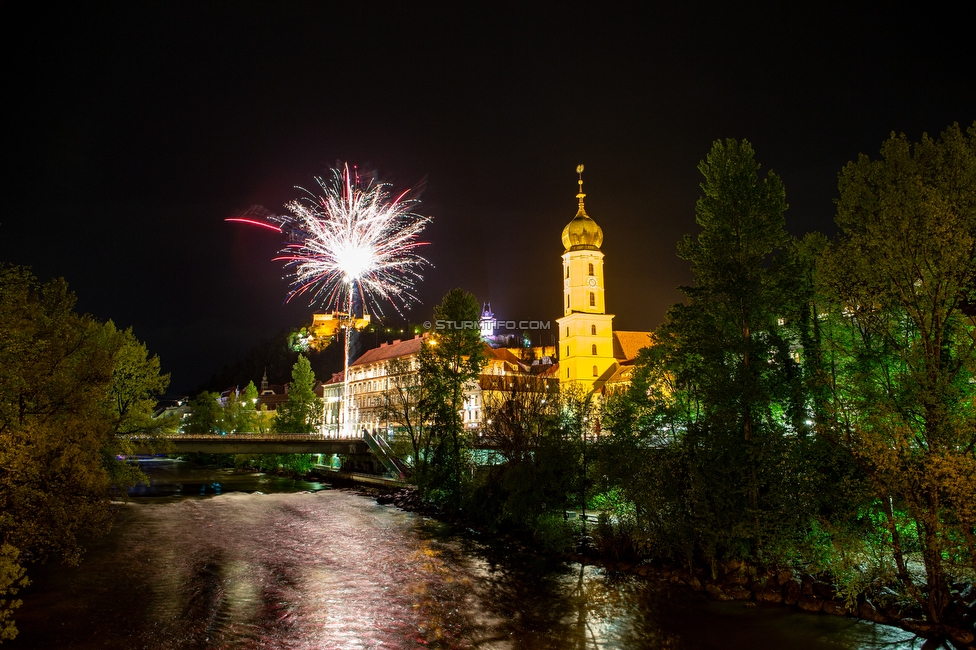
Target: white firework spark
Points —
{"points": [[350, 239]]}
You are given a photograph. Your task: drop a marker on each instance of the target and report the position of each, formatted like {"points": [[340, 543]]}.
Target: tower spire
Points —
{"points": [[580, 196]]}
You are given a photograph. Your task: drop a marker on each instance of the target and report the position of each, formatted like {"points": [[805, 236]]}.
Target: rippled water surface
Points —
{"points": [[332, 569]]}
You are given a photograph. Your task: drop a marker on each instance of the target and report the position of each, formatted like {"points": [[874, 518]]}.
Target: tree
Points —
{"points": [[401, 406], [450, 359], [580, 413], [721, 389], [900, 356], [302, 412], [247, 418], [518, 412], [206, 414], [73, 391], [538, 466]]}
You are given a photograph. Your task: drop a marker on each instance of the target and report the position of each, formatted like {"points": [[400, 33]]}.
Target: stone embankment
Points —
{"points": [[407, 499], [737, 580]]}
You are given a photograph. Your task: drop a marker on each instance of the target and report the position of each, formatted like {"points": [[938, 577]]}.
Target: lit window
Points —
{"points": [[595, 372]]}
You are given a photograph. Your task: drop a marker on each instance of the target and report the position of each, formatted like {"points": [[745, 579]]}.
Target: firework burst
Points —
{"points": [[353, 238]]}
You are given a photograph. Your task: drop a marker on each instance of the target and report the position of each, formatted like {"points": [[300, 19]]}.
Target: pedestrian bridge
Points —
{"points": [[260, 443]]}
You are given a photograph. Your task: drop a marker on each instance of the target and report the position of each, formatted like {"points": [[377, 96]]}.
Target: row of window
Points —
{"points": [[381, 370]]}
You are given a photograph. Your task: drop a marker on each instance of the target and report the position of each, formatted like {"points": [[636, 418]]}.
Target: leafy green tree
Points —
{"points": [[718, 401], [137, 383], [206, 414], [240, 414], [302, 413], [73, 391], [247, 419], [900, 356], [450, 360]]}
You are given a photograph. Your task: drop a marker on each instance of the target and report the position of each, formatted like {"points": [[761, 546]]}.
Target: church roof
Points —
{"points": [[623, 373], [582, 232], [626, 345]]}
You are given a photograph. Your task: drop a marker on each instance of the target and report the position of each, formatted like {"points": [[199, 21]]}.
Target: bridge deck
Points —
{"points": [[246, 443]]}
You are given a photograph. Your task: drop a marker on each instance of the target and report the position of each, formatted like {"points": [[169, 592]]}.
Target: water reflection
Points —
{"points": [[334, 570]]}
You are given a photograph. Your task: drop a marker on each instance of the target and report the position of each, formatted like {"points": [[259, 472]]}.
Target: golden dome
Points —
{"points": [[582, 232]]}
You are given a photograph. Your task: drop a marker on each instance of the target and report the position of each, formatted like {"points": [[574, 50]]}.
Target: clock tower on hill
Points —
{"points": [[586, 352]]}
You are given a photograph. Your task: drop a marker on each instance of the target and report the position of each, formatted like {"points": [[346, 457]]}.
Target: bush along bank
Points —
{"points": [[738, 580]]}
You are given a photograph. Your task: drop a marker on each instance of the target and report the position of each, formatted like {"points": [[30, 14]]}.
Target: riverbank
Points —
{"points": [[736, 580]]}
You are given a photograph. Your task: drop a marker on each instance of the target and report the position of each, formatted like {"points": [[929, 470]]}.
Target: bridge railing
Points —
{"points": [[385, 453], [258, 436]]}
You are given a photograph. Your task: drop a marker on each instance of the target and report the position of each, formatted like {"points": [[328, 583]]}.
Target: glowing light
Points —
{"points": [[354, 239], [255, 222], [351, 238]]}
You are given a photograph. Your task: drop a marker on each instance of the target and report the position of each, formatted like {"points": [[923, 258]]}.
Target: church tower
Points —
{"points": [[585, 330]]}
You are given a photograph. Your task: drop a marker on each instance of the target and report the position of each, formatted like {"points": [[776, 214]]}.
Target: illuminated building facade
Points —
{"points": [[591, 354]]}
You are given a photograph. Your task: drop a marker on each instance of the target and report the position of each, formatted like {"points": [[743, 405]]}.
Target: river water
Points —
{"points": [[211, 559]]}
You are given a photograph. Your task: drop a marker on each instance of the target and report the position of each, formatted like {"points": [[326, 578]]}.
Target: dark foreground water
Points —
{"points": [[296, 568]]}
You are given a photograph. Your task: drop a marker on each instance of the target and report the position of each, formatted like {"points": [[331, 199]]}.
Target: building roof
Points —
{"points": [[506, 355], [337, 378], [623, 373], [582, 232], [626, 345], [391, 351]]}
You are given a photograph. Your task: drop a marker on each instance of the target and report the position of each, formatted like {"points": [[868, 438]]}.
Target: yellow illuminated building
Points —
{"points": [[325, 326], [590, 352]]}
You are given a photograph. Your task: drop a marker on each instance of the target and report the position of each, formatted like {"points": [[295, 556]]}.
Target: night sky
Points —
{"points": [[134, 129]]}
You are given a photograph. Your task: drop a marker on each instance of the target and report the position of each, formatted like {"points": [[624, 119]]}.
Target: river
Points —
{"points": [[205, 558]]}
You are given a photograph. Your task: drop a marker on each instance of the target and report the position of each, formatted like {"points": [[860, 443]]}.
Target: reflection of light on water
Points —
{"points": [[334, 570]]}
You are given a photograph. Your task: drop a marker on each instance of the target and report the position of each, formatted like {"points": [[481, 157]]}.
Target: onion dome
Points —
{"points": [[582, 232]]}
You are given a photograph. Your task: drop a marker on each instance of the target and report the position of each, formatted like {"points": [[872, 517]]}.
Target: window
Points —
{"points": [[592, 299], [593, 330], [595, 374], [567, 350], [567, 302], [567, 373], [594, 349], [567, 331], [591, 269], [567, 270]]}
